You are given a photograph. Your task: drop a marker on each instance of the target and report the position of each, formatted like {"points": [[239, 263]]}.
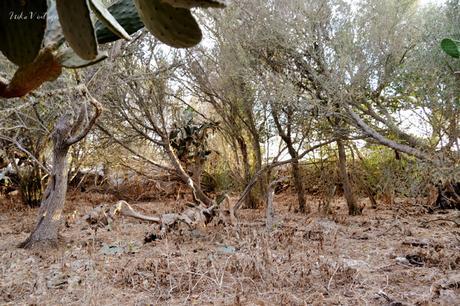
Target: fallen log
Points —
{"points": [[193, 216]]}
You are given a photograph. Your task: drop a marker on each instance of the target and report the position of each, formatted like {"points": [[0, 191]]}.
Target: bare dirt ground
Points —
{"points": [[390, 255]]}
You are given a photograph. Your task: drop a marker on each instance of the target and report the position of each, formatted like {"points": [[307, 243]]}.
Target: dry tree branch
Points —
{"points": [[108, 133], [268, 167], [87, 127], [385, 141], [20, 147], [193, 216]]}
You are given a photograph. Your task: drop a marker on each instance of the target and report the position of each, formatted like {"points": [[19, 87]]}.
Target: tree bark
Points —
{"points": [[67, 131], [258, 194], [286, 137], [353, 208], [298, 184], [251, 200], [268, 167], [50, 213], [386, 141]]}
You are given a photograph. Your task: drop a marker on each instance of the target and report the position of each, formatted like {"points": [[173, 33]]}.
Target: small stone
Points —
{"points": [[402, 260]]}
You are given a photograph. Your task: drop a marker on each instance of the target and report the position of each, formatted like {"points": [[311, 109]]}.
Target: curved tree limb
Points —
{"points": [[385, 141], [85, 128]]}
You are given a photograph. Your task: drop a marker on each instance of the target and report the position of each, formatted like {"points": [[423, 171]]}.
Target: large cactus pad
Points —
{"points": [[108, 19], [175, 27], [68, 59], [196, 3], [44, 68], [22, 27], [77, 26], [125, 13]]}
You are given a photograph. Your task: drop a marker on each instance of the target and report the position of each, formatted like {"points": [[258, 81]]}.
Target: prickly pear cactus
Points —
{"points": [[69, 59], [32, 33], [22, 27], [107, 19], [77, 26], [191, 140], [125, 12], [196, 3], [28, 77], [175, 27]]}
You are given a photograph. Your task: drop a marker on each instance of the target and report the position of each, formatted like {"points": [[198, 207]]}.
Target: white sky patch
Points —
{"points": [[427, 2], [415, 122]]}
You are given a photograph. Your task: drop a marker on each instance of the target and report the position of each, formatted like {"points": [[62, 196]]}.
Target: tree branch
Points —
{"points": [[268, 167], [97, 112], [385, 141]]}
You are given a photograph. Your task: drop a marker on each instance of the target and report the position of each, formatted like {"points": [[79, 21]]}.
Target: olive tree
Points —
{"points": [[351, 59]]}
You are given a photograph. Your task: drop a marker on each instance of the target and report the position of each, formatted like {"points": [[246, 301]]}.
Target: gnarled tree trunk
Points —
{"points": [[50, 213], [198, 194], [67, 132], [250, 201]]}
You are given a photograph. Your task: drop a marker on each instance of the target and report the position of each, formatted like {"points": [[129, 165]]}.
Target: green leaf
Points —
{"points": [[108, 20], [450, 46]]}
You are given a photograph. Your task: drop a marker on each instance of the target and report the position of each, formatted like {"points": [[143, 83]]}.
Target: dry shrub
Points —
{"points": [[9, 203]]}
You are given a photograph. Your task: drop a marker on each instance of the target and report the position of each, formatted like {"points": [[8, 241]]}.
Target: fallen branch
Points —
{"points": [[442, 219], [194, 216]]}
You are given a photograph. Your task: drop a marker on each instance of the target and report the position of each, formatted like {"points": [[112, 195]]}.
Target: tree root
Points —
{"points": [[43, 244], [40, 244]]}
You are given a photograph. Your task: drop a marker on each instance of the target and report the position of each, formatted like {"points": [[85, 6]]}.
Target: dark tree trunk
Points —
{"points": [[67, 131], [244, 154], [303, 208], [297, 176], [251, 200], [298, 184], [368, 189], [50, 213], [260, 192], [353, 208]]}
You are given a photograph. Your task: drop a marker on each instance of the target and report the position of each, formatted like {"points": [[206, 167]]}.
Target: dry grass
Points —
{"points": [[318, 260]]}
